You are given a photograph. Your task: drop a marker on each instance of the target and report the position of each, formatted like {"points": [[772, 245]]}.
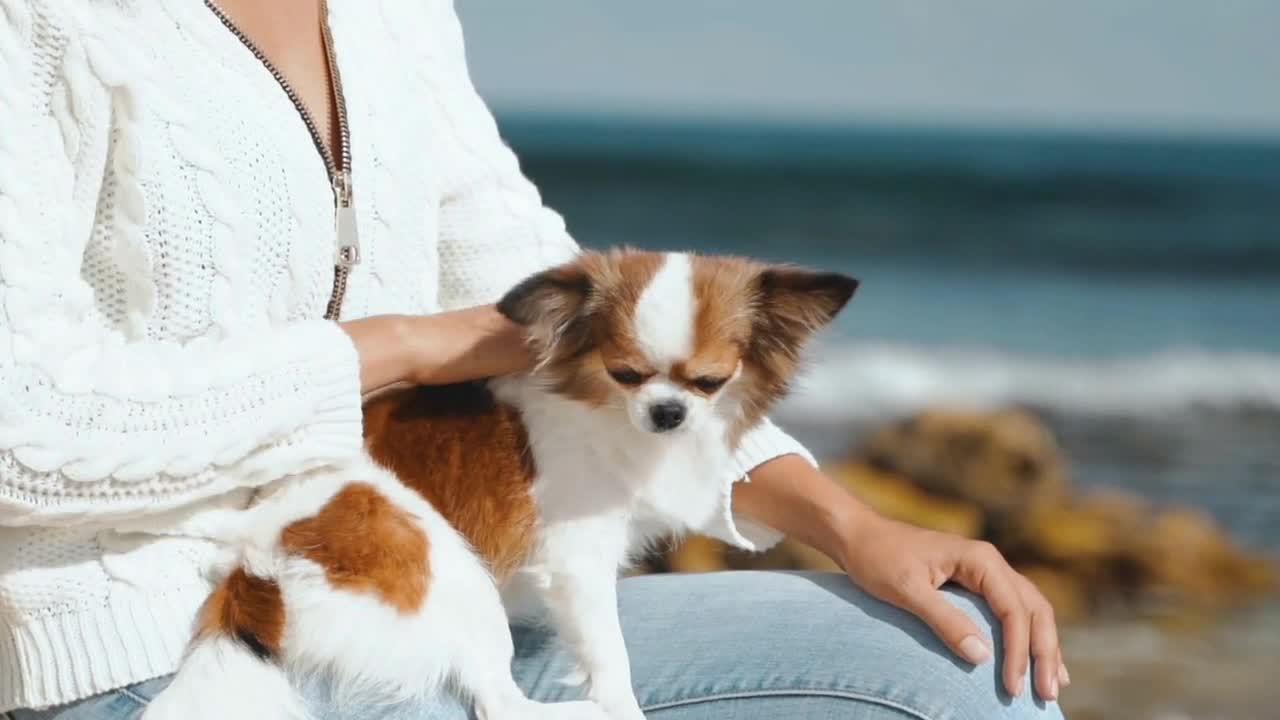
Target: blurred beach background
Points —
{"points": [[1069, 208]]}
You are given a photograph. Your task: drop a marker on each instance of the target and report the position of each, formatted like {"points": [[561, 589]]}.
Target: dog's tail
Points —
{"points": [[232, 669]]}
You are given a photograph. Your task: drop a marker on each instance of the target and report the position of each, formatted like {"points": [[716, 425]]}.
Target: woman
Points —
{"points": [[219, 226]]}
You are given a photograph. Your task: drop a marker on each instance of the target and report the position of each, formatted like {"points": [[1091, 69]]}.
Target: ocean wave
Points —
{"points": [[874, 380]]}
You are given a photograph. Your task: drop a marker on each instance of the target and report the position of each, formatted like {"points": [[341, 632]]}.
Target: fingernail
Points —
{"points": [[974, 650], [1063, 675], [1053, 689]]}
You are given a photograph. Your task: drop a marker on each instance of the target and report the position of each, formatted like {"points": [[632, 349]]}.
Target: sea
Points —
{"points": [[1126, 287]]}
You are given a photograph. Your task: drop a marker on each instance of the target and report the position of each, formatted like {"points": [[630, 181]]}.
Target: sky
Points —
{"points": [[1199, 66]]}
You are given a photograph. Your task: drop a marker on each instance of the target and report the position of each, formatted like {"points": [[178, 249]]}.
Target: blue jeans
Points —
{"points": [[741, 645]]}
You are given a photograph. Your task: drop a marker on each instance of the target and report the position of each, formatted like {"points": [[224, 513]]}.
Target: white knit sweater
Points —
{"points": [[166, 255]]}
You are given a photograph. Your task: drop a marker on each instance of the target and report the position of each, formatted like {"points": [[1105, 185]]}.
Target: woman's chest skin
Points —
{"points": [[290, 34], [238, 220]]}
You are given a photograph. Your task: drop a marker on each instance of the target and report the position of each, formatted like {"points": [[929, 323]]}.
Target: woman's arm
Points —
{"points": [[789, 494], [905, 566], [437, 349]]}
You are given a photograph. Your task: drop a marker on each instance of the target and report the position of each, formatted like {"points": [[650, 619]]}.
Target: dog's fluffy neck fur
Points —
{"points": [[593, 460]]}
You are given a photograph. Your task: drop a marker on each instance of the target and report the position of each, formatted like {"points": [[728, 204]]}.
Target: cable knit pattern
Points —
{"points": [[166, 245]]}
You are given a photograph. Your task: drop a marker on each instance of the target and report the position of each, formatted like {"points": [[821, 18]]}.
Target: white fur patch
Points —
{"points": [[372, 653], [221, 679], [664, 314]]}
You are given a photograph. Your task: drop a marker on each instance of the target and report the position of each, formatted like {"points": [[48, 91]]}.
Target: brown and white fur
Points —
{"points": [[486, 501]]}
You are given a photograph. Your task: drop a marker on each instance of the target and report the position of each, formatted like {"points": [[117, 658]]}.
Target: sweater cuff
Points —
{"points": [[330, 389], [759, 445]]}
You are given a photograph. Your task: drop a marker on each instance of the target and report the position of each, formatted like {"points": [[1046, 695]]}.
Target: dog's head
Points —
{"points": [[672, 338]]}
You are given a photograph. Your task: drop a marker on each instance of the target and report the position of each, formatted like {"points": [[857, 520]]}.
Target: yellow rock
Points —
{"points": [[1006, 462], [1091, 527], [1186, 556], [697, 554], [901, 499]]}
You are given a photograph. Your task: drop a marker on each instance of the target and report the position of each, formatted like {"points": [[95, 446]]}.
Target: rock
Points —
{"points": [[1087, 538], [786, 555], [901, 499], [1076, 530], [1006, 462], [1188, 559], [1001, 476], [701, 554], [1121, 550], [697, 554]]}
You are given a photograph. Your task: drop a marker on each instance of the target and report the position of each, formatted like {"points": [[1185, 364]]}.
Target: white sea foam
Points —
{"points": [[869, 380]]}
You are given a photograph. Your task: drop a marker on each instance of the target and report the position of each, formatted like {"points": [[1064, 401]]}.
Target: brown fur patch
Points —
{"points": [[725, 289], [365, 544], [247, 608], [763, 314], [579, 317], [468, 456], [725, 292]]}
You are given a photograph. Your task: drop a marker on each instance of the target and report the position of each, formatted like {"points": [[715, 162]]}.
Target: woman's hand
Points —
{"points": [[437, 349], [905, 565]]}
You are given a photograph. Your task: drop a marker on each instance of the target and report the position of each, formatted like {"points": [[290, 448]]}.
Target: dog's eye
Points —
{"points": [[709, 385], [626, 376]]}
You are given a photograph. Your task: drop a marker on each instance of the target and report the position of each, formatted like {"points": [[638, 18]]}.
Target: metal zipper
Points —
{"points": [[347, 242]]}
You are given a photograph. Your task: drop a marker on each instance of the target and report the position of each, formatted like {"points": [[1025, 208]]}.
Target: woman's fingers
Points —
{"points": [[908, 572], [1044, 649], [1045, 652], [983, 570], [947, 621]]}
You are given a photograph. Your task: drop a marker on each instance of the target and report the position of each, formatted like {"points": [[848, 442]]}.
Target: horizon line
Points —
{"points": [[873, 124]]}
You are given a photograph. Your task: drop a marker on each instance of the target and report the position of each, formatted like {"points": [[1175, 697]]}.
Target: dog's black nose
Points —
{"points": [[667, 415]]}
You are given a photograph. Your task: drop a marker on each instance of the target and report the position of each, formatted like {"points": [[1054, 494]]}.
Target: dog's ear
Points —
{"points": [[788, 306], [794, 302], [548, 303]]}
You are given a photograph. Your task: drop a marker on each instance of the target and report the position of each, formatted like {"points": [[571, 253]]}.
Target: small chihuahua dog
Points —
{"points": [[482, 502]]}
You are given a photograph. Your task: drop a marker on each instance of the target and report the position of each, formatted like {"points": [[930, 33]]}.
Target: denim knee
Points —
{"points": [[803, 640]]}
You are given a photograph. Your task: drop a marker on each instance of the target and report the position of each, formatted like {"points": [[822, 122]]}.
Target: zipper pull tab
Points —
{"points": [[347, 252]]}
